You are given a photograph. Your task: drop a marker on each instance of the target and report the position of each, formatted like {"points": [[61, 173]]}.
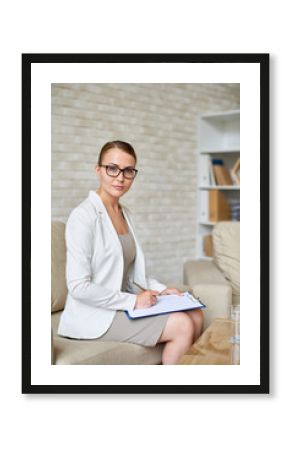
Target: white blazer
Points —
{"points": [[94, 271]]}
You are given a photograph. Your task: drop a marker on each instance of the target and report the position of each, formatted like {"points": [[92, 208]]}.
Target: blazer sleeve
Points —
{"points": [[155, 285], [79, 242]]}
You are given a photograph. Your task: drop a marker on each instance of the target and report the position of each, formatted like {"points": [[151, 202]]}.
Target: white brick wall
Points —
{"points": [[160, 121]]}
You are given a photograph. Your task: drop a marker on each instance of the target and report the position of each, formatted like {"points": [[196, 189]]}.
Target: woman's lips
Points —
{"points": [[119, 188]]}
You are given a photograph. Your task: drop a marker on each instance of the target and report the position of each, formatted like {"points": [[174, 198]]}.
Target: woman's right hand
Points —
{"points": [[146, 299]]}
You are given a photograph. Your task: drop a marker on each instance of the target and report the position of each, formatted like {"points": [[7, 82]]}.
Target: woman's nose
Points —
{"points": [[120, 176]]}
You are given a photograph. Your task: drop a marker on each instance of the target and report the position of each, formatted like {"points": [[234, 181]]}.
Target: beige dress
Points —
{"points": [[145, 331]]}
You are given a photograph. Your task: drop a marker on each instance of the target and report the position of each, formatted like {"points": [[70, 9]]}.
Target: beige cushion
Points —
{"points": [[226, 240], [58, 258], [209, 284], [91, 351]]}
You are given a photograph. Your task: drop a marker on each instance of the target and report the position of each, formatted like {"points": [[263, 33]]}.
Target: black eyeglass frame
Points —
{"points": [[119, 171]]}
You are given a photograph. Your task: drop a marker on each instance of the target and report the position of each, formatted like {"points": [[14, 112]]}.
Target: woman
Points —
{"points": [[105, 264]]}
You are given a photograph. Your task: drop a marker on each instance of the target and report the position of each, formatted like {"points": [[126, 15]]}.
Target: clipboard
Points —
{"points": [[167, 304]]}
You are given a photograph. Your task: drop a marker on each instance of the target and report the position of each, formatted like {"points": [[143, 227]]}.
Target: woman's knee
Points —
{"points": [[178, 326], [198, 317]]}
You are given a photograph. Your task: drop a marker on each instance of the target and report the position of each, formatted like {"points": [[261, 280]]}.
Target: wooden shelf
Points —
{"points": [[205, 258], [222, 188], [222, 115], [219, 150], [207, 223], [219, 137]]}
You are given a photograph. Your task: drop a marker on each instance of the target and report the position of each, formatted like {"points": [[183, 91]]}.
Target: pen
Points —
{"points": [[138, 286]]}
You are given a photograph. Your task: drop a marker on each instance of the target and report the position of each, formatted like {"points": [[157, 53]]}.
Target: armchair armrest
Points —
{"points": [[52, 349], [208, 283]]}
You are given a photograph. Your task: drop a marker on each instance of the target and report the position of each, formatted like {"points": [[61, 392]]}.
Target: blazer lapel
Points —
{"points": [[103, 213], [139, 266]]}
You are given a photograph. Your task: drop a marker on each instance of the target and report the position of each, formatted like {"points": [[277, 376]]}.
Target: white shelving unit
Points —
{"points": [[219, 137]]}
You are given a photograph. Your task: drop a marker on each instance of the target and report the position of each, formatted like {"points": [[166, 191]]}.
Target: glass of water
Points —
{"points": [[235, 333]]}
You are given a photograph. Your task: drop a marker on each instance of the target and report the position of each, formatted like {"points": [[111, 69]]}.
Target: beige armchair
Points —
{"points": [[217, 282], [82, 351]]}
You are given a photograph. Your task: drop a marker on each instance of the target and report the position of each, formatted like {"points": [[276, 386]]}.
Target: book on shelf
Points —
{"points": [[206, 177], [221, 173], [208, 245], [212, 178], [219, 208], [235, 209], [235, 172]]}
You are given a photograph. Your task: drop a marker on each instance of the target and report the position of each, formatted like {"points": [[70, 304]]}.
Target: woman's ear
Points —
{"points": [[97, 170]]}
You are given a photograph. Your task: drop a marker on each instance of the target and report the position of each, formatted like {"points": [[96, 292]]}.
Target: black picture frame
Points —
{"points": [[123, 58]]}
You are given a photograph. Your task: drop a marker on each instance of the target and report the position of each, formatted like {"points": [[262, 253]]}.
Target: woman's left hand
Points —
{"points": [[170, 291]]}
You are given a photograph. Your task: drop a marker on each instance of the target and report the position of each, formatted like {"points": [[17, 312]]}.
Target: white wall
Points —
{"points": [[160, 121]]}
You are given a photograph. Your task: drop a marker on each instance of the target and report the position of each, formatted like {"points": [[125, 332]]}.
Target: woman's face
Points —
{"points": [[118, 185]]}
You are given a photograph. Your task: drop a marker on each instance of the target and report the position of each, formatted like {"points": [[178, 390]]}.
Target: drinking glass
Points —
{"points": [[235, 334]]}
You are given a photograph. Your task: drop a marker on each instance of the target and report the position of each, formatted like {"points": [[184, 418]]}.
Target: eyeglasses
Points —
{"points": [[113, 171]]}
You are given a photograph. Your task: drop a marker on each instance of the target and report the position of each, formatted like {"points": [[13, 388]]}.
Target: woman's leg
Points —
{"points": [[178, 336], [197, 319]]}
